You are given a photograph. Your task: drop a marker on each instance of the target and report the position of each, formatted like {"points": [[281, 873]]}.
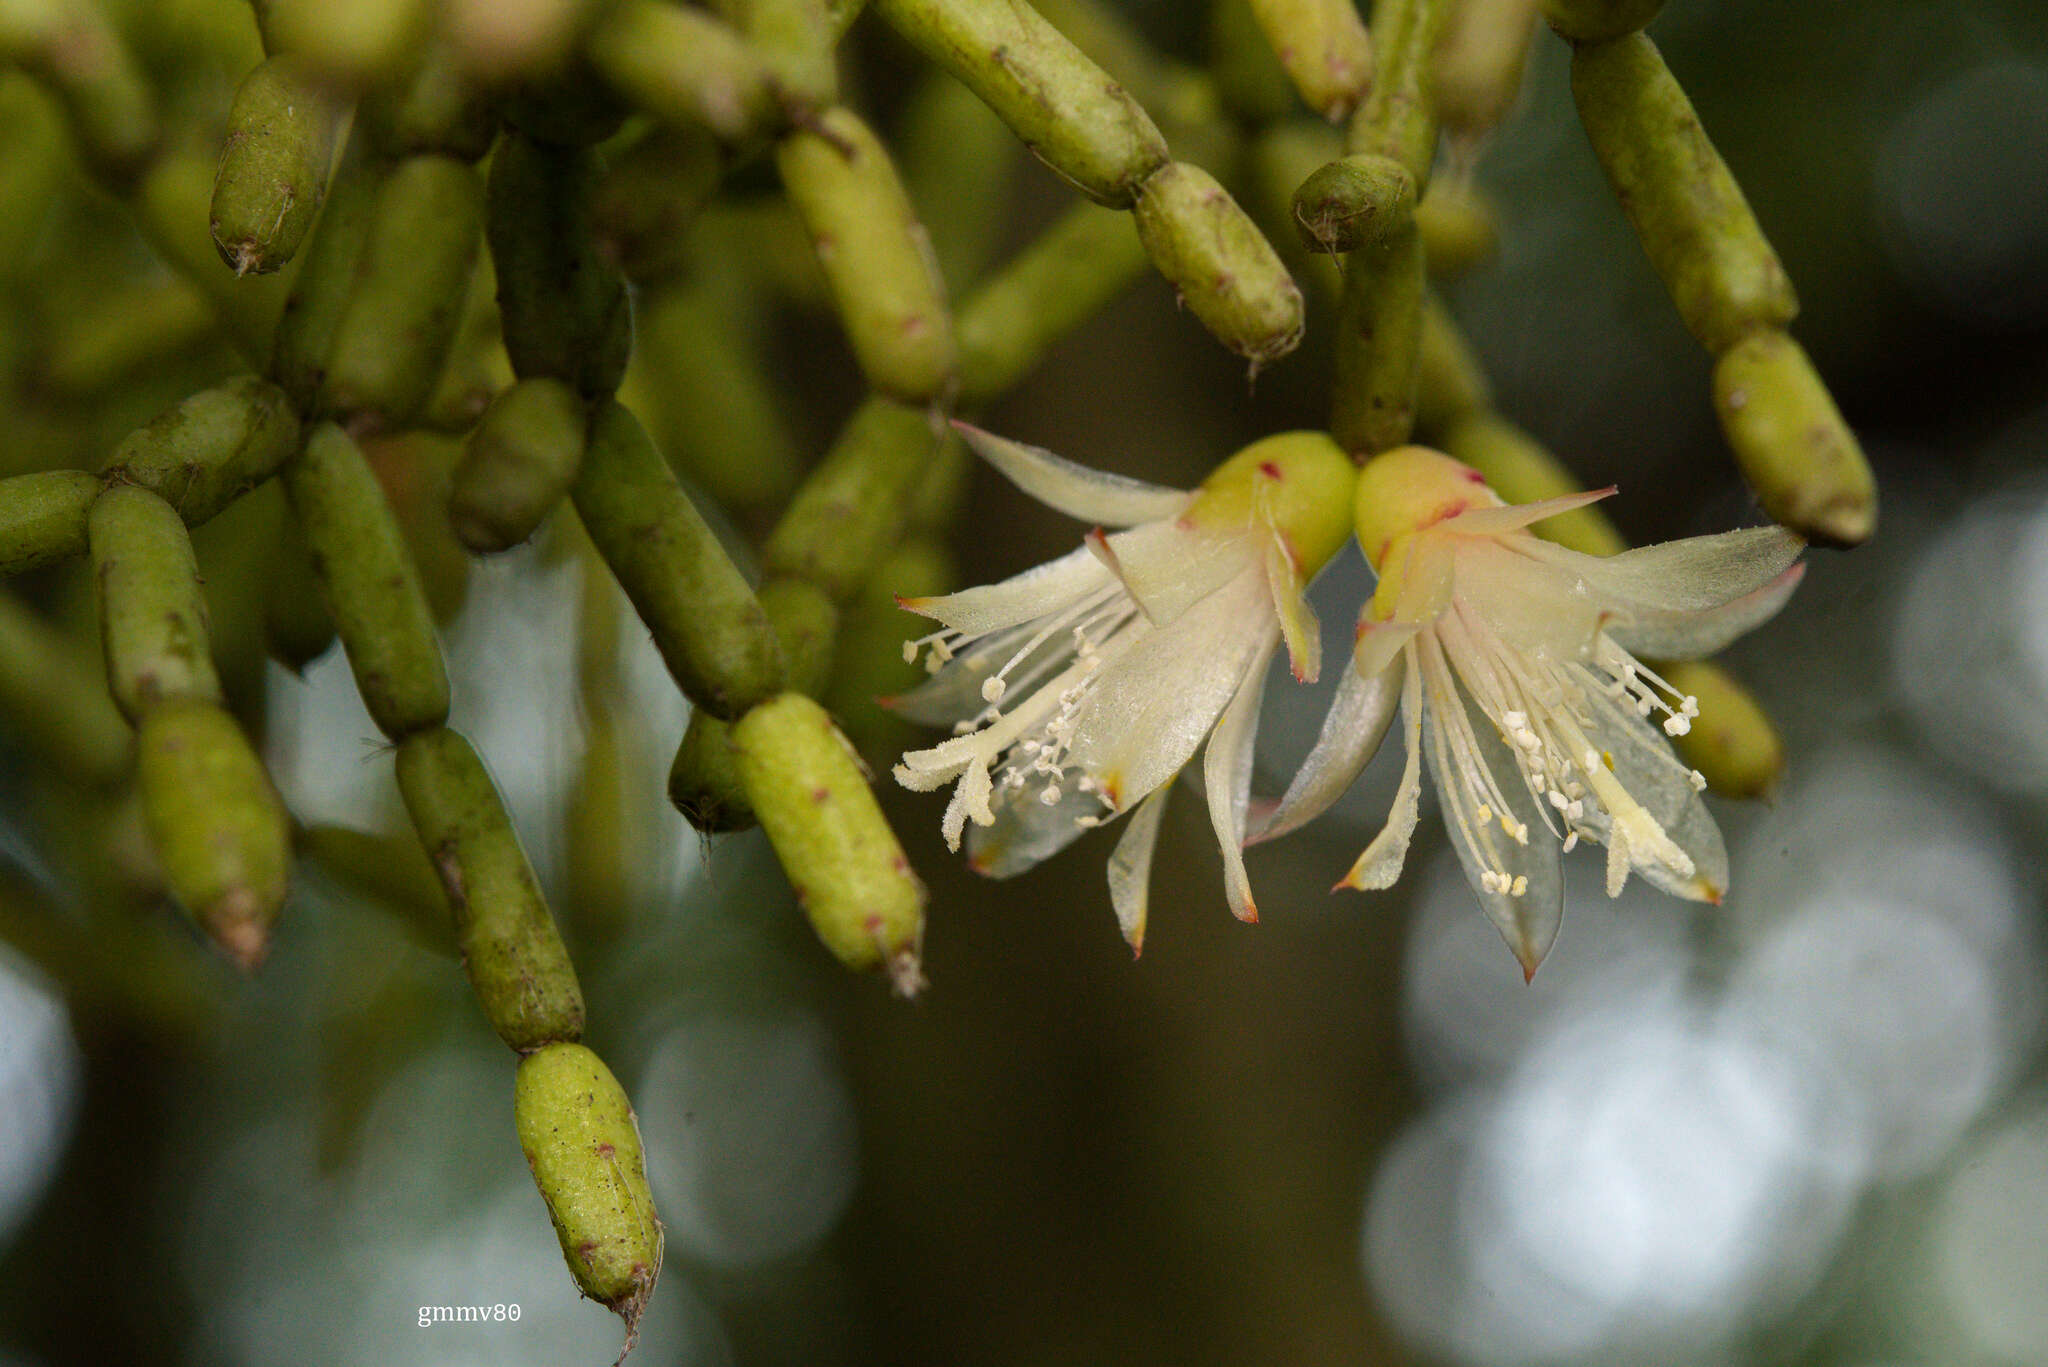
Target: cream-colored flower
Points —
{"points": [[1515, 664], [1078, 690]]}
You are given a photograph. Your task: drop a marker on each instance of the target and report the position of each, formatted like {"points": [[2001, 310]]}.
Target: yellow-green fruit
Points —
{"points": [[1805, 464], [850, 875], [510, 948], [203, 453], [1226, 271], [582, 1141], [1686, 207], [219, 828], [875, 255], [517, 464], [273, 166], [152, 613], [42, 518]]}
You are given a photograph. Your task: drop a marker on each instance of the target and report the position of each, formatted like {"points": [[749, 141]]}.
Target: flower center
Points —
{"points": [[1546, 711], [1051, 665]]}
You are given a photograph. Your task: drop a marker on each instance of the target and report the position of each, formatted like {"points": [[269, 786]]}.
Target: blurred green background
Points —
{"points": [[1810, 1126]]}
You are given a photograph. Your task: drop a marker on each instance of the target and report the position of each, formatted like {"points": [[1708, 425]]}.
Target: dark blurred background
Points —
{"points": [[1809, 1126]]}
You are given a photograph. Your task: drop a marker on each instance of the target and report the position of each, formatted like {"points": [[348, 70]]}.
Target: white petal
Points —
{"points": [[1076, 490], [1153, 704], [1652, 776], [1352, 731], [1298, 624], [1130, 867], [1515, 516], [1380, 865], [1690, 635], [1378, 645], [1689, 575], [1034, 593], [1496, 865], [1227, 774], [1026, 830], [1169, 568]]}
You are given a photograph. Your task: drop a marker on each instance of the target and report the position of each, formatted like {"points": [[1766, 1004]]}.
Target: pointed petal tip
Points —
{"points": [[1247, 913]]}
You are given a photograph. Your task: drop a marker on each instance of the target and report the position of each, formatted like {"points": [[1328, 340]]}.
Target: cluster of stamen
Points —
{"points": [[1049, 665], [1543, 710]]}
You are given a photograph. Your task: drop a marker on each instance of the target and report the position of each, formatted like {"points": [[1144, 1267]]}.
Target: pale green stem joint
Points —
{"points": [[704, 781], [1067, 110], [273, 166], [1685, 205], [510, 948], [152, 613], [1806, 466], [582, 1142], [369, 583], [1221, 264], [393, 336], [1324, 47], [206, 451], [219, 828], [875, 254], [806, 786], [717, 642], [517, 464], [1379, 343], [42, 518]]}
